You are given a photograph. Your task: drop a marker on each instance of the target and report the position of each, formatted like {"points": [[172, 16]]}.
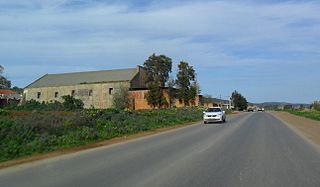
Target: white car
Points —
{"points": [[214, 114]]}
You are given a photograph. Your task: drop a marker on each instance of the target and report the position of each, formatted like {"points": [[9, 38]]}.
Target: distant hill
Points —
{"points": [[273, 104], [263, 105]]}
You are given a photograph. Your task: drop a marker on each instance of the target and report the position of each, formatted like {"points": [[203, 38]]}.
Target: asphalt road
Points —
{"points": [[253, 149]]}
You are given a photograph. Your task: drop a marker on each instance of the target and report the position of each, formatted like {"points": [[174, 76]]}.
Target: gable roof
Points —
{"points": [[67, 79]]}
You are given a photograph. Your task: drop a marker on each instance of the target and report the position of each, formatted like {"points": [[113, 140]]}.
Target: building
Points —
{"points": [[7, 96], [140, 102], [95, 88]]}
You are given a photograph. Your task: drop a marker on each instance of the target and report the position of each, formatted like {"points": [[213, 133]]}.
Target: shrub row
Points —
{"points": [[311, 114], [44, 131], [69, 104]]}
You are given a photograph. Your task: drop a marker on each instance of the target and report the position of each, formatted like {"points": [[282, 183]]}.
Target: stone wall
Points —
{"points": [[98, 95]]}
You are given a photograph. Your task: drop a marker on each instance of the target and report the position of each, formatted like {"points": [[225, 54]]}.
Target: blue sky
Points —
{"points": [[267, 50]]}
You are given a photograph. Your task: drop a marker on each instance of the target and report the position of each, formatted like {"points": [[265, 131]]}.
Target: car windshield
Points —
{"points": [[213, 110]]}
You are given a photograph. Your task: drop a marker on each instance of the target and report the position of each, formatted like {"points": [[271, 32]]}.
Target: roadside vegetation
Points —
{"points": [[25, 132], [184, 88], [239, 101], [311, 114]]}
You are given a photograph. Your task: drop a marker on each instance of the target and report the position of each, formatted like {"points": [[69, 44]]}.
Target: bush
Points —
{"points": [[121, 99], [3, 112], [316, 105], [71, 103], [46, 131]]}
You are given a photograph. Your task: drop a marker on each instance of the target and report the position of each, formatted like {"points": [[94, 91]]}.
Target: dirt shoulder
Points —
{"points": [[308, 127]]}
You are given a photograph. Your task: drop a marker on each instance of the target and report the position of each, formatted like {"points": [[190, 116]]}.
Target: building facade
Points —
{"points": [[95, 88], [139, 100]]}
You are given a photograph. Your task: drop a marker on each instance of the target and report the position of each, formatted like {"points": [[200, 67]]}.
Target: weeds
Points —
{"points": [[44, 131], [312, 114]]}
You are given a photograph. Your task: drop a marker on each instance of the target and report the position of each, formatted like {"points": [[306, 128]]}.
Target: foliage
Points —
{"points": [[155, 96], [17, 89], [4, 82], [71, 103], [35, 105], [3, 112], [287, 107], [239, 101], [121, 98], [316, 105], [187, 87], [172, 93], [312, 114], [45, 131], [157, 68]]}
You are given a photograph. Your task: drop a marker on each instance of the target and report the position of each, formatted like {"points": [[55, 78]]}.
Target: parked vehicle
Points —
{"points": [[214, 114]]}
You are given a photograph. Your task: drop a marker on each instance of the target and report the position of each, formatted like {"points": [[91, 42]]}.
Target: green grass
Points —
{"points": [[24, 134], [313, 114]]}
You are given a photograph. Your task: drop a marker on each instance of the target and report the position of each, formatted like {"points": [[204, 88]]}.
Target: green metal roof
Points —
{"points": [[67, 79]]}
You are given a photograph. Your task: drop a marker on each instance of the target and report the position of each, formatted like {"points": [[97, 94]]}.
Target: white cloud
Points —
{"points": [[104, 35], [231, 23]]}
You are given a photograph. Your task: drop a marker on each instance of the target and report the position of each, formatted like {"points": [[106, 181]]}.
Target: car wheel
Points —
{"points": [[204, 122]]}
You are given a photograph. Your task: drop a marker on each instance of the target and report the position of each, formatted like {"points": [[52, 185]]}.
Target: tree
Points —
{"points": [[171, 92], [71, 103], [316, 105], [158, 68], [186, 84], [155, 96], [121, 99], [4, 82], [17, 89], [239, 102]]}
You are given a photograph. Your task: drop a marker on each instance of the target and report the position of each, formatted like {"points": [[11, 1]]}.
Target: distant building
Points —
{"points": [[94, 88], [7, 96]]}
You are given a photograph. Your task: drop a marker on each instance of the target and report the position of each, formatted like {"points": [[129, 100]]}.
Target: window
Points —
{"points": [[73, 92], [56, 94], [214, 110], [90, 92], [110, 91], [38, 95]]}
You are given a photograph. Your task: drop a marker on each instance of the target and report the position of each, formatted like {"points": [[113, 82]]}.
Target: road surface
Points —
{"points": [[252, 149]]}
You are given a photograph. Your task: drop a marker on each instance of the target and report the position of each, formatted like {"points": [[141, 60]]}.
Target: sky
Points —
{"points": [[268, 50]]}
